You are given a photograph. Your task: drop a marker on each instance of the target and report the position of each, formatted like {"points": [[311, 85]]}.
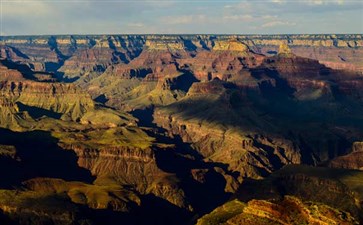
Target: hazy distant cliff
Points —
{"points": [[114, 125], [65, 52]]}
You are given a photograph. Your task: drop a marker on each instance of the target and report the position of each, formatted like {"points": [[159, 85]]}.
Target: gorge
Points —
{"points": [[181, 129]]}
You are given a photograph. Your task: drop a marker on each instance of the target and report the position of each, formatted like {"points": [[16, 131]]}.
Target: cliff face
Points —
{"points": [[248, 108], [244, 153], [295, 195], [82, 54], [290, 210], [64, 99], [213, 113], [65, 136], [41, 95], [132, 163], [353, 160], [129, 165], [90, 58]]}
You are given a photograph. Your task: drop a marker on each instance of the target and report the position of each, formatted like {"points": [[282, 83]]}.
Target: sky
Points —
{"points": [[42, 17]]}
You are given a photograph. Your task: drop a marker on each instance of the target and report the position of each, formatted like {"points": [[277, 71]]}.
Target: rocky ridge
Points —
{"points": [[213, 112]]}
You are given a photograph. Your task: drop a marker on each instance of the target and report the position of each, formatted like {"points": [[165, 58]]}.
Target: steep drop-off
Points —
{"points": [[114, 125]]}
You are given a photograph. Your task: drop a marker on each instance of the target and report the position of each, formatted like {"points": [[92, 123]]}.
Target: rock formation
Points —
{"points": [[114, 125], [290, 210]]}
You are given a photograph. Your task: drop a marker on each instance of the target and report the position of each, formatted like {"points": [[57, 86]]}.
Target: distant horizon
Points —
{"points": [[141, 17], [174, 34]]}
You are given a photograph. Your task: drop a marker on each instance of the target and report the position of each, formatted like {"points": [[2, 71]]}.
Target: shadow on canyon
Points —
{"points": [[272, 110], [38, 155], [36, 112], [181, 160], [153, 211], [337, 188]]}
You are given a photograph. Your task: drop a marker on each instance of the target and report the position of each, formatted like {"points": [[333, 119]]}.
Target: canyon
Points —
{"points": [[181, 129]]}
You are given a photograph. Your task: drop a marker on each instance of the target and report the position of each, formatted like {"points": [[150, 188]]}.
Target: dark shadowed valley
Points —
{"points": [[181, 129]]}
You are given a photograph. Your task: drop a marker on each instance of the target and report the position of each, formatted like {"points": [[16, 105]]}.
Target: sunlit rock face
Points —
{"points": [[115, 125], [92, 53]]}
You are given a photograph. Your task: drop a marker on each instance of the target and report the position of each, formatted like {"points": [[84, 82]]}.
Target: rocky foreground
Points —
{"points": [[167, 129]]}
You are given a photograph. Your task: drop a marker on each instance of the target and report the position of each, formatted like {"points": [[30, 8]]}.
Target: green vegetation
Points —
{"points": [[7, 150], [336, 188], [223, 213], [106, 138], [289, 210], [12, 199], [224, 116], [96, 196], [107, 117], [55, 201], [37, 208], [352, 179]]}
